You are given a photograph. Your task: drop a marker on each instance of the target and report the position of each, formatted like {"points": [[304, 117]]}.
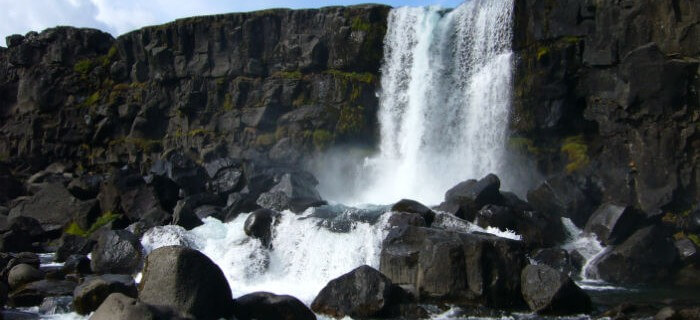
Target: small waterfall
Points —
{"points": [[444, 104]]}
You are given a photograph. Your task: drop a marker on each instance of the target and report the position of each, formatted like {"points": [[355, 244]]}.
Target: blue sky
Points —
{"points": [[120, 16]]}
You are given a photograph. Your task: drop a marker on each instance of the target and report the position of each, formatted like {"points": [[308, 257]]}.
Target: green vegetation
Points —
{"points": [[322, 139], [351, 120], [360, 24], [694, 238], [364, 77], [228, 102], [93, 99], [144, 145], [576, 151], [265, 140], [199, 131], [541, 52], [291, 75], [84, 66], [104, 219]]}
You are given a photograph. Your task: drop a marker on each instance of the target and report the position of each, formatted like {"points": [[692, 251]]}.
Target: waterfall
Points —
{"points": [[444, 101]]}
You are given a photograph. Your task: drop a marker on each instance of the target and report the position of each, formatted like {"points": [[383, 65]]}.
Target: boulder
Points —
{"points": [[184, 213], [22, 274], [85, 187], [467, 197], [548, 291], [399, 219], [613, 223], [460, 267], [558, 259], [187, 281], [687, 250], [56, 305], [562, 196], [537, 229], [33, 293], [71, 244], [259, 225], [295, 191], [648, 255], [412, 206], [116, 251], [89, 294], [76, 264], [53, 206], [10, 186], [361, 293], [265, 305], [118, 306]]}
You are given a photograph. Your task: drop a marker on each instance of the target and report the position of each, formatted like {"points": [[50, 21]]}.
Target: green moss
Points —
{"points": [[199, 131], [524, 145], [694, 238], [93, 99], [291, 75], [112, 53], [265, 140], [576, 151], [228, 102], [364, 77], [300, 100], [106, 217], [351, 120], [84, 66], [541, 52], [144, 145], [360, 24], [322, 139]]}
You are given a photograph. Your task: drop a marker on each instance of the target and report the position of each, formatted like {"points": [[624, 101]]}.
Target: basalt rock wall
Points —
{"points": [[274, 85]]}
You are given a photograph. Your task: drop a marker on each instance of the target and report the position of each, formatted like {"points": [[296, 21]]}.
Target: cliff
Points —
{"points": [[276, 84]]}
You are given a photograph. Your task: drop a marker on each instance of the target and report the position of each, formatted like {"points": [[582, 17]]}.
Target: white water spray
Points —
{"points": [[444, 104]]}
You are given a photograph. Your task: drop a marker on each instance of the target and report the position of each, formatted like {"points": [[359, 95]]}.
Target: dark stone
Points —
{"points": [[33, 293], [294, 191], [77, 264], [361, 293], [89, 294], [184, 213], [118, 306], [548, 291], [412, 206], [56, 305], [265, 305], [116, 251], [537, 229], [225, 181], [85, 187], [561, 196], [612, 223], [209, 211], [53, 206], [647, 255], [453, 266], [259, 225], [71, 244], [399, 219], [22, 274], [467, 197], [558, 259], [187, 281]]}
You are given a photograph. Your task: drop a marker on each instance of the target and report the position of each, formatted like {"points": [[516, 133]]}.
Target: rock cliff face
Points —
{"points": [[607, 98], [275, 84]]}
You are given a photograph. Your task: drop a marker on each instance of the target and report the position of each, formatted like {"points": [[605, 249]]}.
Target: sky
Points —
{"points": [[121, 16]]}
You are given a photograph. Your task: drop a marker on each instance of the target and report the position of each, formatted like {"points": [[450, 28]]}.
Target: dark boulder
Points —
{"points": [[412, 206], [33, 293], [118, 306], [54, 207], [187, 281], [548, 291], [116, 251], [295, 191], [562, 196], [77, 264], [613, 223], [186, 173], [89, 294], [184, 213], [225, 181], [85, 187], [138, 201], [648, 255], [452, 266], [259, 225], [10, 186], [399, 219], [265, 305], [687, 250], [361, 293], [558, 259], [71, 244], [22, 274], [467, 197], [537, 229]]}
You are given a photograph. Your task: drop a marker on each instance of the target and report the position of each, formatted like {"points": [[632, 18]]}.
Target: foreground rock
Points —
{"points": [[265, 305], [295, 191], [88, 296], [116, 251], [22, 274], [548, 291], [64, 208], [412, 206], [118, 306], [648, 255], [32, 294], [537, 229], [187, 281], [453, 266], [466, 198], [259, 225], [361, 293], [613, 223]]}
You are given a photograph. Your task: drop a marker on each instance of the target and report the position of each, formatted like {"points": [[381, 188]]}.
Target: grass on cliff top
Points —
{"points": [[104, 219]]}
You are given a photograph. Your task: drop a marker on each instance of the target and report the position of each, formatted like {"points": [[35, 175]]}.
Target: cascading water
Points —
{"points": [[444, 104]]}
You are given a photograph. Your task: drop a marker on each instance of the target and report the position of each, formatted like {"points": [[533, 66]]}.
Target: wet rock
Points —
{"points": [[56, 305], [465, 268], [612, 223], [116, 251], [184, 213], [88, 295], [265, 305], [259, 225], [537, 229], [558, 259], [399, 219], [71, 244], [412, 206], [361, 293], [647, 255], [33, 293], [687, 250], [467, 197], [295, 191], [548, 291], [561, 195], [76, 264], [22, 274], [187, 281], [118, 306]]}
